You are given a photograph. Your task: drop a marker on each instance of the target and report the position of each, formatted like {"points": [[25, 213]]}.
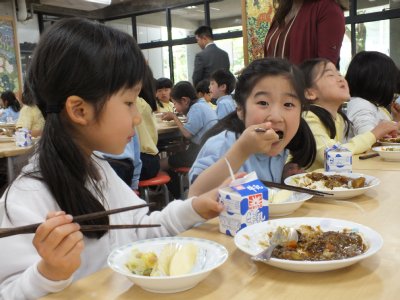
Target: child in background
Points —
{"points": [[203, 92], [163, 95], [327, 90], [11, 105], [372, 78], [222, 84], [88, 108], [266, 127]]}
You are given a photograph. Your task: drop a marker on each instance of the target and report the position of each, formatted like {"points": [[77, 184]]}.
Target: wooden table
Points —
{"points": [[239, 278], [375, 163], [11, 151]]}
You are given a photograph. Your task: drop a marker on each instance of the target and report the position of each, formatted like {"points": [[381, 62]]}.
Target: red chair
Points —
{"points": [[182, 172], [161, 179]]}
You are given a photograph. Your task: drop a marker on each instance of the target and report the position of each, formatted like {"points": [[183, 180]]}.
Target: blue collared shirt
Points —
{"points": [[267, 167], [225, 105]]}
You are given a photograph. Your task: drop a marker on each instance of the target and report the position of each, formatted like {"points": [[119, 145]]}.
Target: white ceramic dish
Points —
{"points": [[390, 142], [388, 155], [370, 181], [248, 240], [294, 202], [215, 255]]}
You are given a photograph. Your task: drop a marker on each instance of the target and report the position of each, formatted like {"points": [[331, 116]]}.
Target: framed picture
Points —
{"points": [[257, 17], [10, 74]]}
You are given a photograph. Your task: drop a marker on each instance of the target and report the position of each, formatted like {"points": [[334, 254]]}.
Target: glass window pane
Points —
{"points": [[185, 20], [181, 64], [158, 61], [368, 6], [225, 15], [345, 51], [152, 27], [234, 48]]}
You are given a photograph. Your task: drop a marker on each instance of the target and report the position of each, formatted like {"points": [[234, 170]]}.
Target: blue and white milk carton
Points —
{"points": [[246, 203], [338, 159]]}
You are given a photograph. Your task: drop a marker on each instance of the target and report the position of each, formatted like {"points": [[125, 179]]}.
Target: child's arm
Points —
{"points": [[395, 109], [169, 116], [250, 142]]}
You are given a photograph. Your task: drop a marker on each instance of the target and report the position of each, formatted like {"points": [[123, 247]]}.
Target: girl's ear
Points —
{"points": [[310, 94], [78, 110], [240, 113]]}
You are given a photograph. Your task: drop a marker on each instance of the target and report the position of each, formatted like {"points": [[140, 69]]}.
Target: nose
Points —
{"points": [[274, 114]]}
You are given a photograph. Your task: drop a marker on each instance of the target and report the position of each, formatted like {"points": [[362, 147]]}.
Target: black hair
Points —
{"points": [[283, 7], [203, 86], [84, 58], [311, 70], [221, 77], [373, 76], [148, 91], [302, 147], [184, 89], [10, 100], [163, 83], [204, 31]]}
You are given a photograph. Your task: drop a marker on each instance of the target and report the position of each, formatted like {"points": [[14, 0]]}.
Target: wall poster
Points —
{"points": [[257, 16], [10, 76]]}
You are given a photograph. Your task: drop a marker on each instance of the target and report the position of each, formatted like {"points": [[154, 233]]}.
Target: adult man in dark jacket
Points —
{"points": [[211, 58]]}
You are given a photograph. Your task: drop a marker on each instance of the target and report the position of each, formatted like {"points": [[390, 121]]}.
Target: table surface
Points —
{"points": [[9, 149], [377, 277]]}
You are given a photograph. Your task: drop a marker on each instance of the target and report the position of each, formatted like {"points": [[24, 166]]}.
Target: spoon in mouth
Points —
{"points": [[278, 132]]}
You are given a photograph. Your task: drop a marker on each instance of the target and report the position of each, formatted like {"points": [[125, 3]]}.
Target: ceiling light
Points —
{"points": [[105, 2]]}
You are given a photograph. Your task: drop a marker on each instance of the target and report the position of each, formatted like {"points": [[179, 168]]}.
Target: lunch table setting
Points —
{"points": [[205, 263]]}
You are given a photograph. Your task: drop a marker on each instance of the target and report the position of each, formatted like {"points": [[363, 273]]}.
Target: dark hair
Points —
{"points": [[148, 91], [373, 76], [204, 31], [163, 83], [311, 71], [10, 100], [203, 86], [221, 77], [90, 60], [302, 146], [184, 89], [283, 7]]}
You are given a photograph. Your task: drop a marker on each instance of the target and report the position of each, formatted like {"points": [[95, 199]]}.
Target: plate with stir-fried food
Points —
{"points": [[390, 141], [389, 153], [340, 185], [323, 244]]}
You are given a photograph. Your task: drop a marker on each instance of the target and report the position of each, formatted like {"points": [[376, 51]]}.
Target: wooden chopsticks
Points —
{"points": [[294, 188], [4, 232]]}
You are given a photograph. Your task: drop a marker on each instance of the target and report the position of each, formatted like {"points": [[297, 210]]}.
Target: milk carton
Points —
{"points": [[338, 159], [23, 137], [245, 202]]}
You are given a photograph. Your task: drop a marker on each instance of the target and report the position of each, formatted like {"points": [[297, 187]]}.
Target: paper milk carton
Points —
{"points": [[245, 202], [338, 159]]}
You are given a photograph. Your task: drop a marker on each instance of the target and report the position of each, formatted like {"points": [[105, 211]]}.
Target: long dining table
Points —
{"points": [[376, 277]]}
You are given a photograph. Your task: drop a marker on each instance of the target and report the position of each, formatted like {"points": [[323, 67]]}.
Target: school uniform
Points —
{"points": [[225, 105], [9, 115], [267, 167], [166, 107]]}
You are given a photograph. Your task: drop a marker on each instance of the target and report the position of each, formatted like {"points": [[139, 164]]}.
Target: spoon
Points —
{"points": [[280, 237]]}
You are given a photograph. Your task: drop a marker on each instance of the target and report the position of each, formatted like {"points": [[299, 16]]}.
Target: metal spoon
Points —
{"points": [[281, 237]]}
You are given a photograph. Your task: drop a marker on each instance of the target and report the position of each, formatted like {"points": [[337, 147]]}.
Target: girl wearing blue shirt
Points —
{"points": [[12, 107], [264, 130], [200, 118]]}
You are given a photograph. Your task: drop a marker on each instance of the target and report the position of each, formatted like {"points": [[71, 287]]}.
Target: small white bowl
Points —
{"points": [[215, 255], [387, 154], [288, 206]]}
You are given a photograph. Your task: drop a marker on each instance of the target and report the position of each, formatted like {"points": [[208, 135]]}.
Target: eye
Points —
{"points": [[289, 104], [262, 102], [130, 103]]}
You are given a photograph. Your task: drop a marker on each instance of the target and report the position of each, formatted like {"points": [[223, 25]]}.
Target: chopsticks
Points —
{"points": [[366, 156], [294, 188], [4, 232]]}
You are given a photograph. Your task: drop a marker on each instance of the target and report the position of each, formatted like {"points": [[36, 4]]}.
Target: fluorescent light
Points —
{"points": [[105, 2]]}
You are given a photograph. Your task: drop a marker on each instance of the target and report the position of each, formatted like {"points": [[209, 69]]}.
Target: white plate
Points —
{"points": [[388, 155], [248, 240], [215, 255], [6, 139], [389, 142], [370, 181], [289, 206]]}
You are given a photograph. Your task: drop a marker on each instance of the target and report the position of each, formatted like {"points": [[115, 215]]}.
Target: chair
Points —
{"points": [[161, 179], [182, 172]]}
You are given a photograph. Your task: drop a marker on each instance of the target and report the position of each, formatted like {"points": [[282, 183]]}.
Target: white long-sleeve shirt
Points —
{"points": [[29, 201], [365, 116]]}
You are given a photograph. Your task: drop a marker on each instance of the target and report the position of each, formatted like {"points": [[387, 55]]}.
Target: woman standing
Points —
{"points": [[304, 29]]}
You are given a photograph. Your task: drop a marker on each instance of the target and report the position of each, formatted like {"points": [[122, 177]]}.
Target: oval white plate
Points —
{"points": [[388, 155], [216, 255], [389, 142], [289, 206], [248, 240], [371, 182]]}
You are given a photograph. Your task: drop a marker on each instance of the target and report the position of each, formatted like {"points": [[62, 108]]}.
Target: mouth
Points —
{"points": [[280, 134]]}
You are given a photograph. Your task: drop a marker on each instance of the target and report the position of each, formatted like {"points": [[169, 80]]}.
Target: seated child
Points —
{"points": [[266, 127], [203, 92], [12, 107], [327, 90], [163, 95], [222, 84]]}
